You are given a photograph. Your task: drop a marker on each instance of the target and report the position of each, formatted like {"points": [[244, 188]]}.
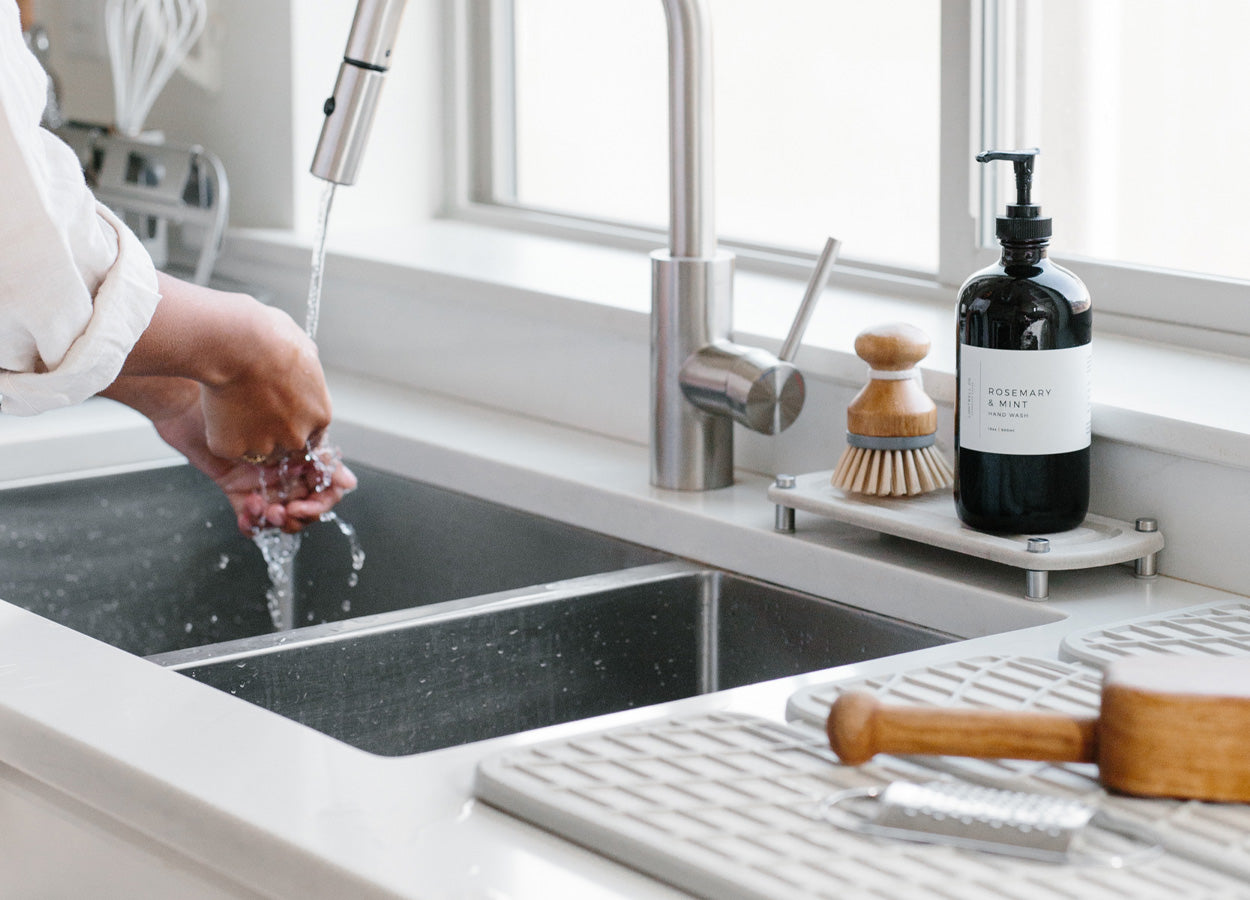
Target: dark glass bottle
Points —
{"points": [[1022, 402]]}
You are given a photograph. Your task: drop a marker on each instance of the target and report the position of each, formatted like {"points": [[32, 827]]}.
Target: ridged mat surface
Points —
{"points": [[727, 806]]}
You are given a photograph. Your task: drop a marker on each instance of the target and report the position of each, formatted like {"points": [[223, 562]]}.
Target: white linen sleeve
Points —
{"points": [[77, 288]]}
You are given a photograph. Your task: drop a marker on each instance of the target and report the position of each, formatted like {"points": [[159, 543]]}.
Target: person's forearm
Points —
{"points": [[206, 335], [157, 398], [173, 406]]}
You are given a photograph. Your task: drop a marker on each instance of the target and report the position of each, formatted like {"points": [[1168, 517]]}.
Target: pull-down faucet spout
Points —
{"points": [[349, 110]]}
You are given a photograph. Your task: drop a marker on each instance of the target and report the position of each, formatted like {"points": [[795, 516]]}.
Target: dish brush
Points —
{"points": [[891, 424]]}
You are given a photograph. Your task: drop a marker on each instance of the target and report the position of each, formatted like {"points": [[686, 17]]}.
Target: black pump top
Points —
{"points": [[1023, 221]]}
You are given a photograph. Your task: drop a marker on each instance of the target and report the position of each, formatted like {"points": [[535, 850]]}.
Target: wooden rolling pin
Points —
{"points": [[1168, 727]]}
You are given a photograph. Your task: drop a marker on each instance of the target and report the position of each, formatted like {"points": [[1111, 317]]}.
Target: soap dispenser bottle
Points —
{"points": [[1022, 414]]}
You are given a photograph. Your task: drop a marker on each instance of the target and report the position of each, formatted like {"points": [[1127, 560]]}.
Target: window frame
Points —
{"points": [[977, 36]]}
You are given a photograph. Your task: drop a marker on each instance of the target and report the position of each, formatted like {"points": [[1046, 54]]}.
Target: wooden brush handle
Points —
{"points": [[893, 347], [892, 408], [860, 727]]}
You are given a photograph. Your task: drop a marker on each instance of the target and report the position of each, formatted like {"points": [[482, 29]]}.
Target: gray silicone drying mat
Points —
{"points": [[1216, 834], [1216, 629], [727, 807]]}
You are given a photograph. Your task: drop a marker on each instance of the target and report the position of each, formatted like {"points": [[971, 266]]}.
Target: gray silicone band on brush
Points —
{"points": [[890, 443]]}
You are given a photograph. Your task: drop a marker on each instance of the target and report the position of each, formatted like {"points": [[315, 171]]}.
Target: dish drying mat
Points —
{"points": [[727, 806], [1215, 834], [1216, 629]]}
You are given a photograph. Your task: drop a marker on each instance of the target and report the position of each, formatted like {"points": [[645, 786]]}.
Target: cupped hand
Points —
{"points": [[287, 492], [272, 496], [299, 489]]}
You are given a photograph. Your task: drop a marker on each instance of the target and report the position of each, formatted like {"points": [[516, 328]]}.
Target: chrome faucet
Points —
{"points": [[349, 110], [702, 382]]}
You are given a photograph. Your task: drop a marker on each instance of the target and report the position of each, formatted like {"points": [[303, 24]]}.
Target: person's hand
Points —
{"points": [[237, 387], [264, 393], [275, 405], [299, 489], [288, 492]]}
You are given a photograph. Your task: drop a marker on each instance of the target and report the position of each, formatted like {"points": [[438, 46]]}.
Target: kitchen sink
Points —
{"points": [[469, 620], [151, 561], [452, 673]]}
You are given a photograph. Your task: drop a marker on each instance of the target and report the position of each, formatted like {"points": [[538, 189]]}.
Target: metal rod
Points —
{"points": [[783, 521], [1037, 583], [815, 287], [1147, 566]]}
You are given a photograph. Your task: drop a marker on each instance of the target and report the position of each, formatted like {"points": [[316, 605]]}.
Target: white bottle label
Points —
{"points": [[1024, 402]]}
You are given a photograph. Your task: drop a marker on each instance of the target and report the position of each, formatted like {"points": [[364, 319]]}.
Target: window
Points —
{"points": [[1135, 105], [1139, 107], [861, 120]]}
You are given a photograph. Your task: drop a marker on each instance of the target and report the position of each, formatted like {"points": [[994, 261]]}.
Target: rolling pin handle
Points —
{"points": [[860, 726]]}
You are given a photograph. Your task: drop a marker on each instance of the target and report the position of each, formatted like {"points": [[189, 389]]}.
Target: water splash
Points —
{"points": [[358, 554], [314, 470], [279, 549], [309, 472]]}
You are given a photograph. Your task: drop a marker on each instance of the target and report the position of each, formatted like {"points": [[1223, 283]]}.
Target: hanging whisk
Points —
{"points": [[147, 41]]}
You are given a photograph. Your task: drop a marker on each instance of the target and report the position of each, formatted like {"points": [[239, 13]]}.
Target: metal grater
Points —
{"points": [[1015, 823]]}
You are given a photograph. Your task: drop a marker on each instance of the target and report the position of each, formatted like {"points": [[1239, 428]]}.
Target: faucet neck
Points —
{"points": [[692, 231]]}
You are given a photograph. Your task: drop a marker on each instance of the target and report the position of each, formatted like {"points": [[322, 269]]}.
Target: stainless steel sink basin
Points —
{"points": [[151, 561], [469, 620], [463, 671]]}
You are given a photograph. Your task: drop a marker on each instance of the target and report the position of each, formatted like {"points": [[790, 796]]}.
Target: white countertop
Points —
{"points": [[288, 812]]}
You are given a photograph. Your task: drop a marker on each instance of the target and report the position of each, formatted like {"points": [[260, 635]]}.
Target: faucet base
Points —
{"points": [[691, 302]]}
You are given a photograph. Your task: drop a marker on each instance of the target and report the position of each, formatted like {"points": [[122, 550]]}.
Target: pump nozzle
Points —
{"points": [[1023, 221], [1023, 161]]}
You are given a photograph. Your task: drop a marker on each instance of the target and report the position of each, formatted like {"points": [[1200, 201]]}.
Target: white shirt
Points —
{"points": [[77, 288]]}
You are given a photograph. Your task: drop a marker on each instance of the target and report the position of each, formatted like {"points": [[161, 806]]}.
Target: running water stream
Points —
{"points": [[278, 548]]}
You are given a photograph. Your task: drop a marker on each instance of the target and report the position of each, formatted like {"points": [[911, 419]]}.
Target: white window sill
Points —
{"points": [[1165, 398]]}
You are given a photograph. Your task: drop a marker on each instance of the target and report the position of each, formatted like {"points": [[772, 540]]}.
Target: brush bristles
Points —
{"points": [[892, 473]]}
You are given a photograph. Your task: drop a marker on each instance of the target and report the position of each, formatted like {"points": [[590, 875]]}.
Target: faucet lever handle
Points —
{"points": [[815, 287]]}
